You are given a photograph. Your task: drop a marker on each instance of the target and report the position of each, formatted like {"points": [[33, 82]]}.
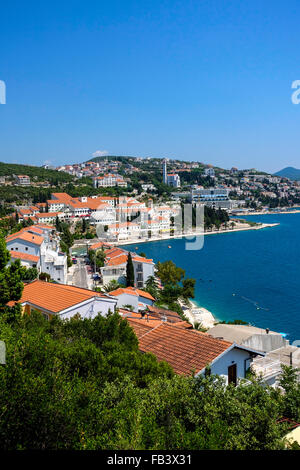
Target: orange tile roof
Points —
{"points": [[40, 215], [131, 291], [55, 297], [26, 236], [140, 292], [24, 256], [116, 261], [185, 350], [60, 198], [121, 290], [97, 245], [172, 317], [141, 259], [139, 324]]}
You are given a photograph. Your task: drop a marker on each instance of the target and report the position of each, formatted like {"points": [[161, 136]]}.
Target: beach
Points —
{"points": [[196, 314]]}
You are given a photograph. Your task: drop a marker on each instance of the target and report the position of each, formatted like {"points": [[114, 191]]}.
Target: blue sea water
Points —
{"points": [[251, 275]]}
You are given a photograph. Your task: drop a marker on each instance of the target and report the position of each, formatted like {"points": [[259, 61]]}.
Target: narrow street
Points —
{"points": [[80, 277]]}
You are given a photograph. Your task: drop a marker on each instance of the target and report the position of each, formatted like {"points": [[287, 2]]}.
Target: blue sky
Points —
{"points": [[195, 80]]}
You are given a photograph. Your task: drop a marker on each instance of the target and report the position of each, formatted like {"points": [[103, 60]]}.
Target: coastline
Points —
{"points": [[194, 234], [196, 314], [246, 214]]}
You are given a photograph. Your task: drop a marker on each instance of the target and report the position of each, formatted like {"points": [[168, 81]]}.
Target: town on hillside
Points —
{"points": [[71, 247]]}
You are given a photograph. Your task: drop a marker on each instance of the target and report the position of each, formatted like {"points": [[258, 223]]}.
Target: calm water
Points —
{"points": [[251, 275]]}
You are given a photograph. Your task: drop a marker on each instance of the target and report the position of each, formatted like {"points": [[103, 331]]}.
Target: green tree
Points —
{"points": [[169, 273], [11, 285]]}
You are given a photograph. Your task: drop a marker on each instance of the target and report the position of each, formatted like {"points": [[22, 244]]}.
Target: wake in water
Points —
{"points": [[253, 302]]}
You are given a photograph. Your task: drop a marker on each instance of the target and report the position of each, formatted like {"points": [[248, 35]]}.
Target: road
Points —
{"points": [[80, 277]]}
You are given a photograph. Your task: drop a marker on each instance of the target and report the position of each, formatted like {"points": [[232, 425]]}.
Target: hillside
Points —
{"points": [[289, 172], [39, 173]]}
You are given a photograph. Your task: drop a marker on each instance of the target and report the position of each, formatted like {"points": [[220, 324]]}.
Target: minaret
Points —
{"points": [[165, 179]]}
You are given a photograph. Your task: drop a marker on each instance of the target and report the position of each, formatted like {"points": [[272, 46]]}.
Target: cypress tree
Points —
{"points": [[129, 272]]}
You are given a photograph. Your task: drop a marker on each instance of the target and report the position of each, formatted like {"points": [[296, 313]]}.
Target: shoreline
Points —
{"points": [[197, 314], [246, 214], [195, 234]]}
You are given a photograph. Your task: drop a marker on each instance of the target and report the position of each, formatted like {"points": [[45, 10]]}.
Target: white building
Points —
{"points": [[36, 246], [136, 298], [173, 179], [65, 301]]}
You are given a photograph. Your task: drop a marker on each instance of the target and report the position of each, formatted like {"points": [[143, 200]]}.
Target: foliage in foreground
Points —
{"points": [[83, 384]]}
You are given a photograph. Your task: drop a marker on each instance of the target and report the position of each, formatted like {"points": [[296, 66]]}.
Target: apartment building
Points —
{"points": [[115, 267], [109, 180], [23, 180], [37, 246], [138, 299]]}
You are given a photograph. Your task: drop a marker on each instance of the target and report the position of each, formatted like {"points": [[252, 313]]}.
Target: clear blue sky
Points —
{"points": [[199, 80]]}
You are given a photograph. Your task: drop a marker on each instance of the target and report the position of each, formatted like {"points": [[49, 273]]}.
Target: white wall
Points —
{"points": [[127, 299], [91, 308], [20, 245], [234, 356]]}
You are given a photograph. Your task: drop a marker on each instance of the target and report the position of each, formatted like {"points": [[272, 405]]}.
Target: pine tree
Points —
{"points": [[129, 272]]}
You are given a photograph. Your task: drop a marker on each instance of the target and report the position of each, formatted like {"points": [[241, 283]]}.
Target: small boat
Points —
{"points": [[169, 246]]}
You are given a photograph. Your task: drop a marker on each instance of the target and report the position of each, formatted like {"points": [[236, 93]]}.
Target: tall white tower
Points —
{"points": [[165, 175]]}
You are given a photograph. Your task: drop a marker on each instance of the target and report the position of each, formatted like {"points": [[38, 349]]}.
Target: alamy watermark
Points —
{"points": [[2, 92], [126, 223], [296, 94]]}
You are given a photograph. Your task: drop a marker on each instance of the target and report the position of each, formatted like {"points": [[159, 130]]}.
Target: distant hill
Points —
{"points": [[289, 172], [41, 174]]}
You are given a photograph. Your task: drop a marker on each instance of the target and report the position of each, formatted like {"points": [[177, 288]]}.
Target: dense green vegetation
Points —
{"points": [[175, 286], [97, 258], [34, 172], [82, 384]]}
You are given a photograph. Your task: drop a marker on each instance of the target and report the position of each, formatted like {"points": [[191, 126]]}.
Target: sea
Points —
{"points": [[249, 275]]}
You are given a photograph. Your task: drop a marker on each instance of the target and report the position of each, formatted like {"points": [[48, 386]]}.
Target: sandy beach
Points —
{"points": [[196, 314]]}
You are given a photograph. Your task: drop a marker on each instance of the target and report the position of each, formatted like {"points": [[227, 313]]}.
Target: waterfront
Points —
{"points": [[251, 275]]}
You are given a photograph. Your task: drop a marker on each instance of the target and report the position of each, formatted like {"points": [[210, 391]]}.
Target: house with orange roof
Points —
{"points": [[37, 246], [65, 301], [189, 352], [23, 180], [115, 267], [27, 260], [138, 299]]}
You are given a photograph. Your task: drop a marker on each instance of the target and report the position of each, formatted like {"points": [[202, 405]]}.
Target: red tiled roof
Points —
{"points": [[131, 291], [55, 297], [26, 236], [185, 350], [24, 256]]}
